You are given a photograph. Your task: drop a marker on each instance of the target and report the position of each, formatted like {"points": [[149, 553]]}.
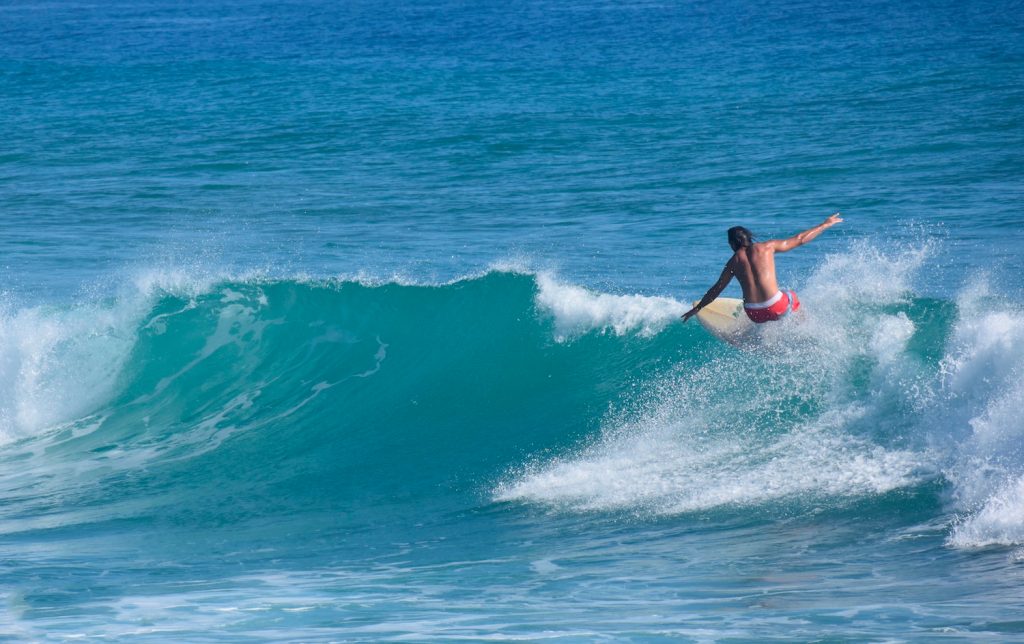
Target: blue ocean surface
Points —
{"points": [[359, 321]]}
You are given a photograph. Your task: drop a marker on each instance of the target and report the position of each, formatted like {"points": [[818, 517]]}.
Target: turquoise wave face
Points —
{"points": [[282, 396]]}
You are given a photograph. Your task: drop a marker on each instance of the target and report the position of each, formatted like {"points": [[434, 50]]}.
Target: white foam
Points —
{"points": [[984, 383], [57, 363], [889, 338], [1000, 521], [728, 433], [988, 344], [577, 310], [867, 274], [683, 468]]}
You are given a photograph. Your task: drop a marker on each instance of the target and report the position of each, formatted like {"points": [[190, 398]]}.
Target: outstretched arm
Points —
{"points": [[799, 239], [713, 292]]}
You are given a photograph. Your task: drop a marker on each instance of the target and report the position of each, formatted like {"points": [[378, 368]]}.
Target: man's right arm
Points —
{"points": [[799, 239], [713, 292]]}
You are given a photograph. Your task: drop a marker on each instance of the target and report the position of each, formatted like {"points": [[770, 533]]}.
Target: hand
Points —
{"points": [[689, 314], [833, 220]]}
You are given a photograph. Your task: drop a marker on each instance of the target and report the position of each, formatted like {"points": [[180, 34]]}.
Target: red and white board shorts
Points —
{"points": [[773, 308]]}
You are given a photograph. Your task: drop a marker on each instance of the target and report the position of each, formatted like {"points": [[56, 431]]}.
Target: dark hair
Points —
{"points": [[740, 237]]}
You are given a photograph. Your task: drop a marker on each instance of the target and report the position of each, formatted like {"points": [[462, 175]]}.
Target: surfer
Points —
{"points": [[753, 264]]}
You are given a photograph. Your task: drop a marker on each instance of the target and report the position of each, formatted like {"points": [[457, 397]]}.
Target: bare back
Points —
{"points": [[754, 268]]}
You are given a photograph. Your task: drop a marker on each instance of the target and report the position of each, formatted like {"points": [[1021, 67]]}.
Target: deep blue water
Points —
{"points": [[357, 321]]}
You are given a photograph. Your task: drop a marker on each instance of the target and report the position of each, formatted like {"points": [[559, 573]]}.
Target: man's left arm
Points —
{"points": [[713, 292]]}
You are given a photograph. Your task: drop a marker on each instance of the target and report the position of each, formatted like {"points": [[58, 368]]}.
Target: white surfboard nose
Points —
{"points": [[724, 318]]}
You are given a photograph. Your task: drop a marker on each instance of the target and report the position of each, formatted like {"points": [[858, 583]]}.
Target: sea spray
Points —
{"points": [[578, 310], [983, 383], [792, 418]]}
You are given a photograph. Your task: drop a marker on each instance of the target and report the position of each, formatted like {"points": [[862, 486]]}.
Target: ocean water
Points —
{"points": [[358, 321]]}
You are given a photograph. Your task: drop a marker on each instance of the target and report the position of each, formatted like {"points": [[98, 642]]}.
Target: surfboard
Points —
{"points": [[725, 319]]}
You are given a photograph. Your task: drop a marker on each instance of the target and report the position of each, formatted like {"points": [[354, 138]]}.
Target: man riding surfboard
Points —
{"points": [[753, 265]]}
